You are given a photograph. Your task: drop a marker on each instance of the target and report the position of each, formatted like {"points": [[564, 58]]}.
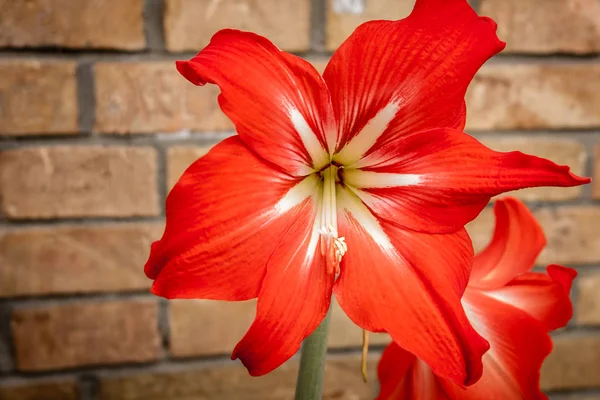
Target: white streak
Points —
{"points": [[366, 138], [370, 179], [317, 153], [297, 194]]}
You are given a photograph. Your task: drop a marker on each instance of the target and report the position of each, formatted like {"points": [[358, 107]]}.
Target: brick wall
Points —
{"points": [[96, 126]]}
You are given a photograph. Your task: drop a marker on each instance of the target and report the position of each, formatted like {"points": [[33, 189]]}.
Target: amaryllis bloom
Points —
{"points": [[509, 306], [358, 182]]}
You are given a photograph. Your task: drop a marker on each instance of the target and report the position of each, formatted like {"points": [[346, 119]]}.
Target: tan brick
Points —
{"points": [[37, 97], [534, 96], [571, 233], [179, 159], [204, 327], [561, 151], [39, 390], [546, 26], [573, 363], [78, 181], [74, 335], [230, 380], [587, 308], [74, 24], [75, 259], [344, 16], [152, 97], [189, 24], [345, 333], [596, 177]]}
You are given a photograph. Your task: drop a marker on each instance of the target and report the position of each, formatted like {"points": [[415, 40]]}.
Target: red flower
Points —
{"points": [[372, 152], [509, 306]]}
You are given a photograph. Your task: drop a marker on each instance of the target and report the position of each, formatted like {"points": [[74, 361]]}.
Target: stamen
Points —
{"points": [[365, 351], [333, 247]]}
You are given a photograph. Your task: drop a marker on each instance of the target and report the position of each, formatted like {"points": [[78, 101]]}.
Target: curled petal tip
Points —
{"points": [[186, 69], [562, 275]]}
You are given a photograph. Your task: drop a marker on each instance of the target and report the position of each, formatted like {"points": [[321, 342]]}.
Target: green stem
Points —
{"points": [[312, 363]]}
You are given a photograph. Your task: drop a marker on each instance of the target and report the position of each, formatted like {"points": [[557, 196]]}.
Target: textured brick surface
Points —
{"points": [[151, 97], [534, 96], [546, 26], [344, 16], [596, 177], [73, 335], [72, 23], [37, 96], [179, 158], [75, 259], [231, 381], [189, 24], [573, 363], [588, 300], [570, 231], [39, 390], [561, 151], [78, 181]]}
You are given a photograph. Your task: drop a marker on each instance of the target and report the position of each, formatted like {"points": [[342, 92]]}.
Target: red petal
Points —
{"points": [[421, 64], [278, 102], [518, 346], [437, 181], [409, 284], [294, 299], [518, 240], [545, 297], [222, 226], [403, 377]]}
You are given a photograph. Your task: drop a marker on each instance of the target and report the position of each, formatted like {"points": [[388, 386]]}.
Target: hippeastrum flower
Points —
{"points": [[508, 305], [359, 182]]}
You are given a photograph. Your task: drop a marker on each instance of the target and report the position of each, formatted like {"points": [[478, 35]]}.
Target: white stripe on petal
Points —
{"points": [[366, 138], [315, 150], [296, 195], [370, 179], [348, 201]]}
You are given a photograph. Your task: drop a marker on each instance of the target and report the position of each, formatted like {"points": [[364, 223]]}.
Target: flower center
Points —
{"points": [[333, 247]]}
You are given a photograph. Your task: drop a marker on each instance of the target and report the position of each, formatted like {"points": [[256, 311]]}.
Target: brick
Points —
{"points": [[74, 24], [573, 363], [570, 232], [218, 324], [37, 97], [230, 380], [534, 96], [189, 24], [344, 16], [83, 334], [78, 181], [179, 159], [151, 97], [596, 177], [546, 26], [39, 390], [344, 333], [561, 151], [587, 307], [75, 259]]}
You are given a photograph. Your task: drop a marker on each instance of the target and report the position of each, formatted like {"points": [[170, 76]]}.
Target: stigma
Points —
{"points": [[333, 247]]}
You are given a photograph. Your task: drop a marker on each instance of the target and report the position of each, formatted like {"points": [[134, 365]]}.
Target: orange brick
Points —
{"points": [[75, 259], [534, 96], [73, 335], [39, 389], [179, 159], [587, 308], [596, 177], [40, 97], [189, 24], [75, 24], [546, 26], [78, 181], [230, 380], [573, 363], [561, 151], [151, 97], [344, 16]]}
